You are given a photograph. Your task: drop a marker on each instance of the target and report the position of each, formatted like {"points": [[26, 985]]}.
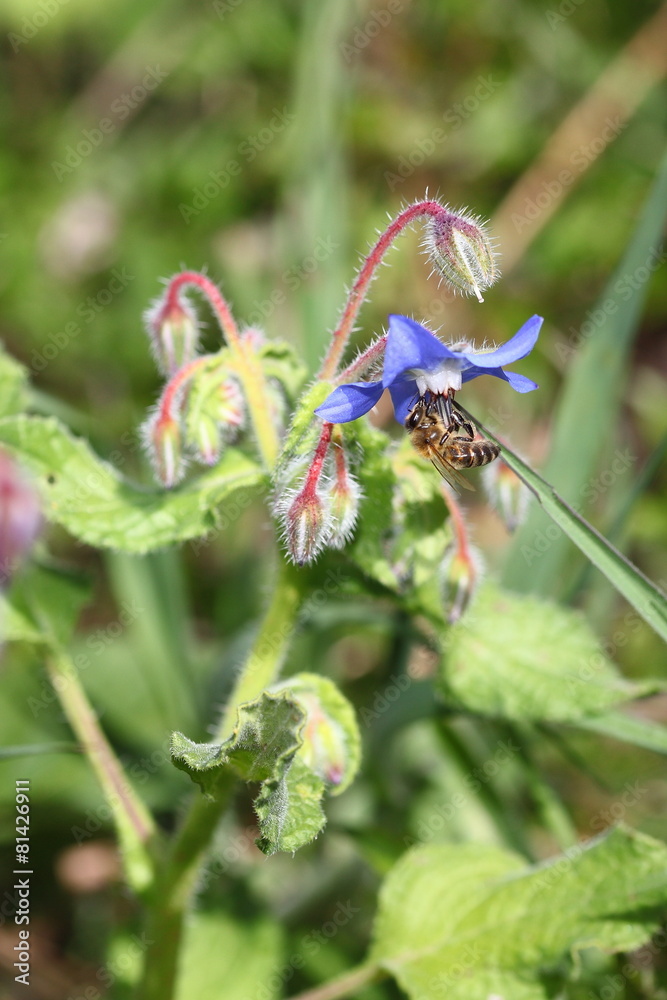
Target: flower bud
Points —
{"points": [[253, 338], [163, 441], [231, 405], [343, 497], [462, 252], [330, 738], [306, 523], [20, 516], [507, 493], [214, 409], [174, 331], [460, 573]]}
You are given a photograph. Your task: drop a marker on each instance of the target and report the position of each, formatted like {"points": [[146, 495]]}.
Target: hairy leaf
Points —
{"points": [[470, 922], [96, 504], [263, 748], [523, 658]]}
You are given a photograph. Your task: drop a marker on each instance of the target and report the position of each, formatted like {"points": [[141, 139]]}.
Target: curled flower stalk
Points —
{"points": [[173, 329], [458, 245]]}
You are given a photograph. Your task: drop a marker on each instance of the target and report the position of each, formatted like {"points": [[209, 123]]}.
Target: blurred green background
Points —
{"points": [[266, 141]]}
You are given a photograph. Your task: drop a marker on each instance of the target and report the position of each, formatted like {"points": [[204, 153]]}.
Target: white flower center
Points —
{"points": [[447, 377]]}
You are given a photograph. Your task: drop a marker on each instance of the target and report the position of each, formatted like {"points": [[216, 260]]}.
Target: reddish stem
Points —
{"points": [[364, 361], [357, 295], [215, 297], [460, 529], [315, 470], [176, 383]]}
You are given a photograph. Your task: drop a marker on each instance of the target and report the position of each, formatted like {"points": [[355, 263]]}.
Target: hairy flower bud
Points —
{"points": [[330, 737], [230, 405], [214, 410], [174, 331], [306, 523], [20, 516], [163, 441], [507, 493], [460, 573], [343, 497], [462, 252]]}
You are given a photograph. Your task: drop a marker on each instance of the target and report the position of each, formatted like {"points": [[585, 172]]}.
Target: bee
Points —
{"points": [[439, 431]]}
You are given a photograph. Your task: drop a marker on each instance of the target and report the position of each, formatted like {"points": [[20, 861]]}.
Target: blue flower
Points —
{"points": [[416, 362]]}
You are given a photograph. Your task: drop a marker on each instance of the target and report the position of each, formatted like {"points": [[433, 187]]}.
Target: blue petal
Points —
{"points": [[518, 382], [411, 346], [516, 347], [403, 396], [350, 401]]}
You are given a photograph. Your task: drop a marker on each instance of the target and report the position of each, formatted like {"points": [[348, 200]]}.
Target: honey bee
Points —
{"points": [[439, 431]]}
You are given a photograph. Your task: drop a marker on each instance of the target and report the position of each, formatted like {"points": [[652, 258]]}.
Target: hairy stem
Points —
{"points": [[341, 334], [269, 648], [133, 822], [178, 878]]}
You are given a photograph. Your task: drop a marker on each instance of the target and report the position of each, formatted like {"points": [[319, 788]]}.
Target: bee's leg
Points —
{"points": [[466, 428]]}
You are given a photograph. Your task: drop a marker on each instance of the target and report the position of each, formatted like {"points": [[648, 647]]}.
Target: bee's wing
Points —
{"points": [[450, 474]]}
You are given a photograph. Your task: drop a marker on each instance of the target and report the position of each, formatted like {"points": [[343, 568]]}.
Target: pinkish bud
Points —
{"points": [[343, 497], [306, 524], [230, 405], [163, 441], [20, 516], [205, 439], [174, 331], [324, 748], [460, 573], [253, 338], [507, 493], [462, 252]]}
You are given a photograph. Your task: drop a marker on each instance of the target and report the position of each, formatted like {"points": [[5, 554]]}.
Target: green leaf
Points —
{"points": [[234, 958], [592, 393], [13, 384], [97, 505], [280, 361], [263, 748], [527, 659], [469, 922], [331, 745], [637, 589], [42, 606]]}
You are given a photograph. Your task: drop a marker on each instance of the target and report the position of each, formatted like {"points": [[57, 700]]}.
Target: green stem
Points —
{"points": [[136, 831], [344, 985], [173, 891], [269, 649]]}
